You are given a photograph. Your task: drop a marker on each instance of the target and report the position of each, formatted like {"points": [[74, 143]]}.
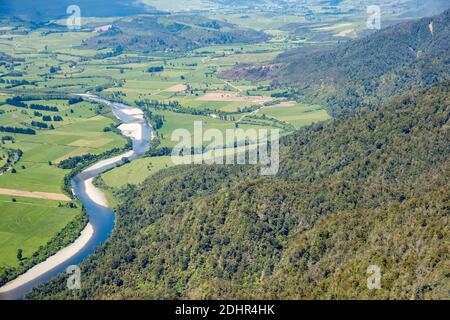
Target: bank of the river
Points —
{"points": [[101, 218]]}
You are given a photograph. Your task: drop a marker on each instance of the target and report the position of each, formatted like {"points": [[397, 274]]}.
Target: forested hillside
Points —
{"points": [[167, 32], [366, 71], [370, 189]]}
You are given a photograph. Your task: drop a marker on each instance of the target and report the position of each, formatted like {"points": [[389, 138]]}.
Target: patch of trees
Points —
{"points": [[155, 69], [12, 83], [75, 100], [17, 130], [18, 102], [156, 120], [41, 125], [12, 157], [54, 69], [50, 118], [72, 162], [175, 106], [7, 138], [159, 152], [43, 108]]}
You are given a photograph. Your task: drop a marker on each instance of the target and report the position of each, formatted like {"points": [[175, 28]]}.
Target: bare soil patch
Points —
{"points": [[32, 194], [177, 88], [232, 97], [284, 104]]}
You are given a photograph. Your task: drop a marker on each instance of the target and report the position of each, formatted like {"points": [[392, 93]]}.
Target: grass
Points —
{"points": [[28, 224], [299, 115], [81, 132], [36, 177], [136, 172]]}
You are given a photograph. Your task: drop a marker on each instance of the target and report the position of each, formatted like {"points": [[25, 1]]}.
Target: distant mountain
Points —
{"points": [[371, 189], [171, 32], [54, 9]]}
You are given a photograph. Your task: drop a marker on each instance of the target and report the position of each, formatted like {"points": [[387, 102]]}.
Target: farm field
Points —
{"points": [[135, 172], [80, 131], [299, 115], [28, 224]]}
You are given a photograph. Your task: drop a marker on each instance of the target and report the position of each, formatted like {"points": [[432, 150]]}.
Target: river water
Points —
{"points": [[100, 217]]}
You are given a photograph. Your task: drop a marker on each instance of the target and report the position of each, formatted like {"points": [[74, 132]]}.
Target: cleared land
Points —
{"points": [[28, 224], [36, 195], [232, 97], [177, 88]]}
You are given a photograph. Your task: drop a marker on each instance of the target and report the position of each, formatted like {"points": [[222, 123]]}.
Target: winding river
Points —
{"points": [[101, 218]]}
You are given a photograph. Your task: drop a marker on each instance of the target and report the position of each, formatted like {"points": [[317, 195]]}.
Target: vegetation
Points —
{"points": [[37, 229], [343, 200], [176, 33], [17, 130], [368, 187], [365, 71]]}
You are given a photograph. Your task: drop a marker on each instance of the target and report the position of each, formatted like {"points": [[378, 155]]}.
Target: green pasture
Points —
{"points": [[136, 171], [299, 115], [28, 224]]}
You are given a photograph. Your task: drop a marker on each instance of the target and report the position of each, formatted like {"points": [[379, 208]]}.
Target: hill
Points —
{"points": [[54, 9], [370, 189], [171, 32], [366, 71]]}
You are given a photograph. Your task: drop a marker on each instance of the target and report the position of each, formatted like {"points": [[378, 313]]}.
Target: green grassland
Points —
{"points": [[299, 115], [135, 172], [28, 224]]}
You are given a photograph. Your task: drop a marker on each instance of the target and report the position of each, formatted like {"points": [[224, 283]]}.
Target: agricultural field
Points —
{"points": [[27, 224], [135, 172], [299, 115], [80, 130]]}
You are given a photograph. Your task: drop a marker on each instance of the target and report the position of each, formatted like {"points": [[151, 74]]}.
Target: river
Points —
{"points": [[101, 218]]}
